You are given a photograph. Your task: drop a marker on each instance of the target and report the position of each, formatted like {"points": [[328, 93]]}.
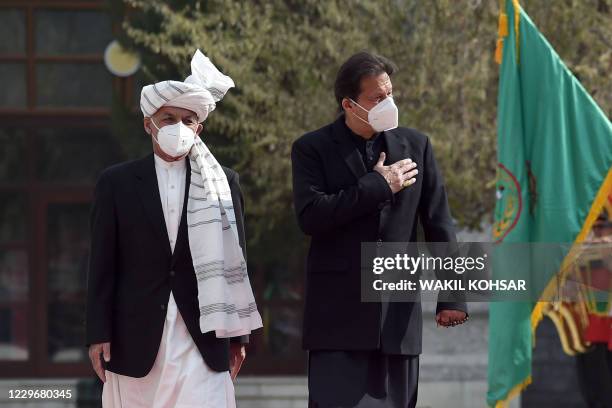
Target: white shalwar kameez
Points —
{"points": [[179, 378]]}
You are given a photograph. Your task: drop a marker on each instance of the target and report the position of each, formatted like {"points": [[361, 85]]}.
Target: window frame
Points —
{"points": [[122, 86]]}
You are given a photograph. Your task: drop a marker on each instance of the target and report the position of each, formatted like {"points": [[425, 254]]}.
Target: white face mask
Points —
{"points": [[175, 140], [383, 116]]}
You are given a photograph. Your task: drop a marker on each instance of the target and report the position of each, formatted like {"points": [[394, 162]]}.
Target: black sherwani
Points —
{"points": [[341, 204], [132, 270]]}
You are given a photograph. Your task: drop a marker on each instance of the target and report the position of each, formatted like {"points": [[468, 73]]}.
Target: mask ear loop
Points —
{"points": [[357, 116], [351, 99], [153, 136], [154, 124]]}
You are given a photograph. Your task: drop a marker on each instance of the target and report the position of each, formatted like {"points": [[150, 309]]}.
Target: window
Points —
{"points": [[54, 57], [14, 278], [67, 253], [55, 136]]}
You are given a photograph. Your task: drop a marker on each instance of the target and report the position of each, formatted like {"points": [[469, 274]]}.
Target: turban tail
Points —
{"points": [[199, 93]]}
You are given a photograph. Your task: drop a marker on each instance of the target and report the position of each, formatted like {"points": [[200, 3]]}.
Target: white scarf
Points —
{"points": [[225, 297]]}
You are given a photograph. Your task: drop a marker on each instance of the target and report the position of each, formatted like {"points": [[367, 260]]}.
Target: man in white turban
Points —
{"points": [[170, 306]]}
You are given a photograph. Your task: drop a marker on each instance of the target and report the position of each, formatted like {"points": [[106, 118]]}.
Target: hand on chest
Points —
{"points": [[343, 169]]}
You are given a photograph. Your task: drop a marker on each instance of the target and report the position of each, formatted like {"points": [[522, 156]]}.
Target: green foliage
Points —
{"points": [[284, 54]]}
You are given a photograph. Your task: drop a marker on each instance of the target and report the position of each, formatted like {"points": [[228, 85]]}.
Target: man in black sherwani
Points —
{"points": [[363, 179]]}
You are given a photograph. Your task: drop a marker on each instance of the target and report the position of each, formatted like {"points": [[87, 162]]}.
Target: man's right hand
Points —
{"points": [[96, 352], [399, 175]]}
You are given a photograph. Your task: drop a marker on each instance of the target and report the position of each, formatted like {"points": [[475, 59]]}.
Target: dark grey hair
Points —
{"points": [[362, 64]]}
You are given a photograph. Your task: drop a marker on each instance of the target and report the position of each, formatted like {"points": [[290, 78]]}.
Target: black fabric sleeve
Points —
{"points": [[102, 264], [317, 211], [437, 222], [238, 201]]}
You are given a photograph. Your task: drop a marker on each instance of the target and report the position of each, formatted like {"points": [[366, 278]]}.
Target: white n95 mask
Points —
{"points": [[175, 140], [383, 116]]}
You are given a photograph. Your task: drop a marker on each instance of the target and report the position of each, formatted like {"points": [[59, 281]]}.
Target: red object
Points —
{"points": [[599, 330]]}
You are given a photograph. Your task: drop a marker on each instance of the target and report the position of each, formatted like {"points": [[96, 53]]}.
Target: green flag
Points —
{"points": [[554, 175]]}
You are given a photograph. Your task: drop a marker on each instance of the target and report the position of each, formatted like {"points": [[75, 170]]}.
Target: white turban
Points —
{"points": [[199, 93]]}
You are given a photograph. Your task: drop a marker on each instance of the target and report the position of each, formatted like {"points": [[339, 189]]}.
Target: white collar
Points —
{"points": [[179, 164]]}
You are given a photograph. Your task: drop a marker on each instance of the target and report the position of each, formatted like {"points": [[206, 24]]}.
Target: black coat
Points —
{"points": [[340, 205], [132, 270]]}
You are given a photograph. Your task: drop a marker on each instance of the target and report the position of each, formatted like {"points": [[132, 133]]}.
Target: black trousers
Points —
{"points": [[362, 379], [594, 369]]}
